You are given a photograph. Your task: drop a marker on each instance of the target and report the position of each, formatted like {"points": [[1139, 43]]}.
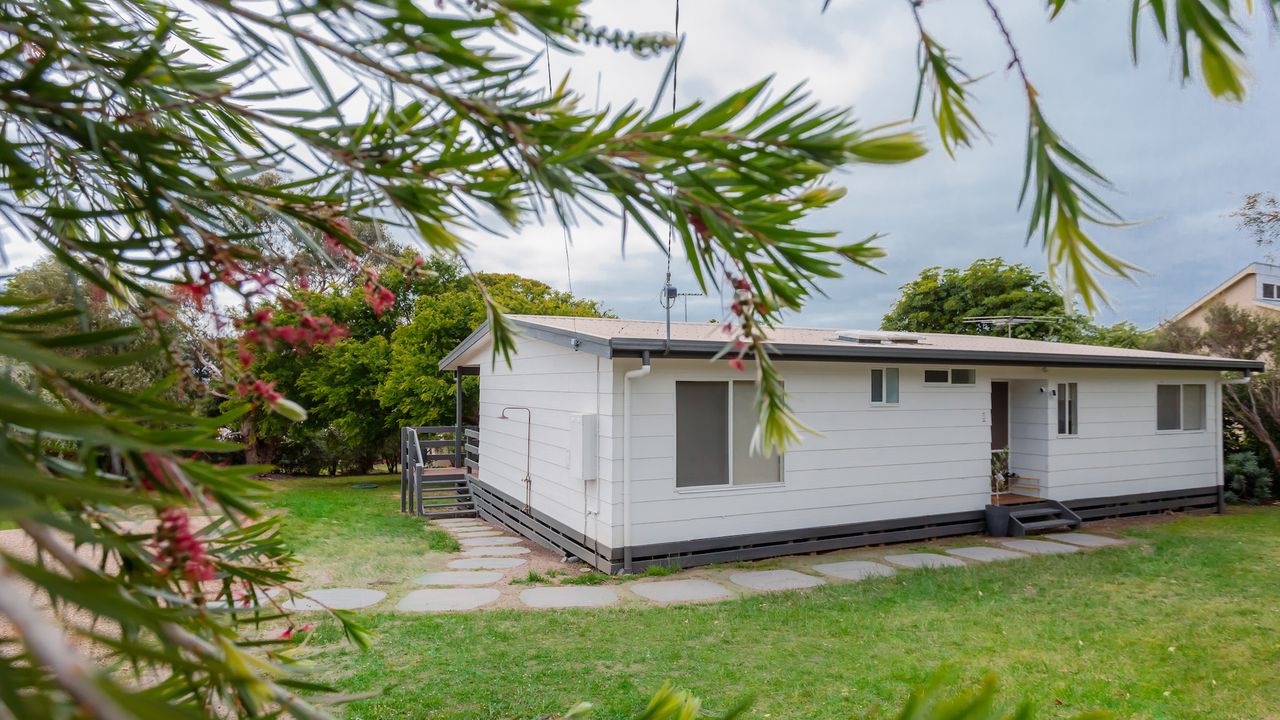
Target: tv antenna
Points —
{"points": [[1009, 321]]}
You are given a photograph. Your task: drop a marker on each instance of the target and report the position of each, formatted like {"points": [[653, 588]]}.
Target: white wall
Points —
{"points": [[554, 382], [929, 454], [1118, 450], [1029, 428]]}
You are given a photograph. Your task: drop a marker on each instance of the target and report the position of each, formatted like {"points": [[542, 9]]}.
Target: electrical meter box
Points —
{"points": [[582, 446]]}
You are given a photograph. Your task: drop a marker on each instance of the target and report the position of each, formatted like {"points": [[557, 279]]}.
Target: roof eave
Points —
{"points": [[708, 348]]}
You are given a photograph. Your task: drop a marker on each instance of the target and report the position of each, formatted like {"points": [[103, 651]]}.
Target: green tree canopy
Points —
{"points": [[940, 299]]}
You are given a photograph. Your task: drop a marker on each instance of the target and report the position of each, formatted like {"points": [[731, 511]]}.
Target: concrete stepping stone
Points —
{"points": [[494, 551], [854, 569], [985, 553], [335, 598], [1085, 539], [489, 541], [923, 560], [486, 563], [446, 599], [568, 597], [461, 577], [452, 522], [1040, 547], [477, 533], [468, 528], [675, 591], [770, 580]]}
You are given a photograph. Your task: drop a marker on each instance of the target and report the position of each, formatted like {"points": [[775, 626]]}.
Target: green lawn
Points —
{"points": [[1185, 624]]}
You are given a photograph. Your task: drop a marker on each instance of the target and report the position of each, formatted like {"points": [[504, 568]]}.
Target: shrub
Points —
{"points": [[1246, 479]]}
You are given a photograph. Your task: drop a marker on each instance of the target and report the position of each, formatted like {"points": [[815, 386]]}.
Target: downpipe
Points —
{"points": [[630, 375]]}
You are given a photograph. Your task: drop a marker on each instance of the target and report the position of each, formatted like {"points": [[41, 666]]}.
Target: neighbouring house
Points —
{"points": [[1256, 287], [628, 447]]}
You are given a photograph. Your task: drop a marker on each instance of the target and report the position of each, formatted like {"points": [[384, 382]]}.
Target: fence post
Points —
{"points": [[458, 457]]}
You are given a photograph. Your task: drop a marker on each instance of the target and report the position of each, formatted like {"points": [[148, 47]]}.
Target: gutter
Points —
{"points": [[630, 375], [628, 347]]}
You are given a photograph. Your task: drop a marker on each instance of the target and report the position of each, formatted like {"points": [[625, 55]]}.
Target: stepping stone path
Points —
{"points": [[923, 560], [985, 553], [489, 552], [468, 542], [460, 577], [854, 569], [569, 597], [1040, 547], [447, 599], [1085, 539], [771, 580], [692, 590], [494, 551], [336, 599], [486, 563]]}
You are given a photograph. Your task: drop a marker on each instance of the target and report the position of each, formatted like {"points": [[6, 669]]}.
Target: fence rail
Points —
{"points": [[426, 446]]}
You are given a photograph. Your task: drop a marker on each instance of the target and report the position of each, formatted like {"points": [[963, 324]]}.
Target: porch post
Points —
{"points": [[457, 414]]}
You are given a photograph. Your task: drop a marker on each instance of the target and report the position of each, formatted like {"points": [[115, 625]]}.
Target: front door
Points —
{"points": [[999, 415]]}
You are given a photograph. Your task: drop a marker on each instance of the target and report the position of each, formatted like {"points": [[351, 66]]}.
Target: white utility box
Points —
{"points": [[582, 446]]}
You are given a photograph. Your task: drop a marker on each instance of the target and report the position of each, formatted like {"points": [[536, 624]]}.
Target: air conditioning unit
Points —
{"points": [[583, 453]]}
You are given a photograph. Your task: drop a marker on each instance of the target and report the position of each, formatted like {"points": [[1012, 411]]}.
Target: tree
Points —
{"points": [[1254, 406], [130, 146], [1259, 215], [940, 299], [415, 390]]}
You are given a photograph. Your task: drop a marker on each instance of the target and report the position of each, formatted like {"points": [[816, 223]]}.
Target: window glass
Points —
{"points": [[877, 386], [936, 376], [1068, 414], [748, 468], [702, 434], [1269, 291], [1168, 407], [964, 377], [891, 386], [1193, 407]]}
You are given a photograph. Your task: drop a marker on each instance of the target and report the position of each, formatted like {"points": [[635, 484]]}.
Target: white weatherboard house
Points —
{"points": [[612, 443]]}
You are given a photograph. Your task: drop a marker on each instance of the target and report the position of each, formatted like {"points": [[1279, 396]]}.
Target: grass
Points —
{"points": [[1183, 624], [350, 537]]}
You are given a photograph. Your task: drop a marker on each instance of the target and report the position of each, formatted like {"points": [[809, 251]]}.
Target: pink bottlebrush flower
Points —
{"points": [[378, 297], [737, 364], [179, 550]]}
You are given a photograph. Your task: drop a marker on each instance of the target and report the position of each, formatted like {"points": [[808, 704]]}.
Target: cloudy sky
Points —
{"points": [[1180, 161]]}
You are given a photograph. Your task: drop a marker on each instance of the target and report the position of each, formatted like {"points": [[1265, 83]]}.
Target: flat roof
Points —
{"points": [[612, 337]]}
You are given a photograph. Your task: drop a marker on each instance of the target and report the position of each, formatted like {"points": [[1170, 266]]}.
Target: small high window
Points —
{"points": [[1068, 413], [955, 376], [1180, 407], [1269, 291], [884, 386]]}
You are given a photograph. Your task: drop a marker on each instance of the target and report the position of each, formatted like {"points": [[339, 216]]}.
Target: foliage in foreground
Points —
{"points": [[933, 701], [132, 153]]}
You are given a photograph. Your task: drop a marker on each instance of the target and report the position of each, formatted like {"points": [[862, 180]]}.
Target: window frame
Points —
{"points": [[1071, 391], [730, 486], [1273, 287], [884, 386], [1182, 407], [951, 377]]}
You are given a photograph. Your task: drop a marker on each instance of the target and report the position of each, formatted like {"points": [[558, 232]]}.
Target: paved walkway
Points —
{"points": [[494, 568]]}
